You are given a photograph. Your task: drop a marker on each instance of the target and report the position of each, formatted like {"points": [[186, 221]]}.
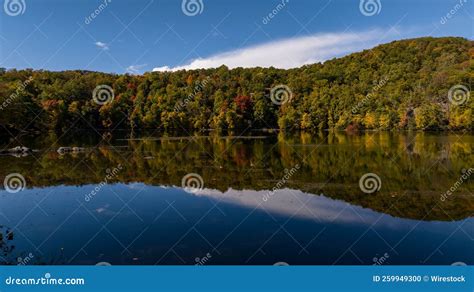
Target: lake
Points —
{"points": [[262, 198]]}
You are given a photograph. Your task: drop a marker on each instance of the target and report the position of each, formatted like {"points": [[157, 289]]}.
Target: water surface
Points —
{"points": [[264, 198]]}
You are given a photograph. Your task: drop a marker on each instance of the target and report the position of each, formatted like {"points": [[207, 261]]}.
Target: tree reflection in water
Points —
{"points": [[416, 169]]}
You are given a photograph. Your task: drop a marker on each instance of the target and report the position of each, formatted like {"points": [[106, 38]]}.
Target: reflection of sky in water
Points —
{"points": [[297, 204], [136, 223]]}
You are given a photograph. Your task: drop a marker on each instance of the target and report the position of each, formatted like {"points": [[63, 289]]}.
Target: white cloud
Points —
{"points": [[102, 46], [290, 53], [306, 206], [162, 69], [135, 69]]}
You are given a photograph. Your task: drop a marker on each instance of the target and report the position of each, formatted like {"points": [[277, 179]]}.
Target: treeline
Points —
{"points": [[400, 85]]}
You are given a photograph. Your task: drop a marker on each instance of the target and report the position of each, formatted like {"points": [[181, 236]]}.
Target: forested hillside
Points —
{"points": [[400, 85]]}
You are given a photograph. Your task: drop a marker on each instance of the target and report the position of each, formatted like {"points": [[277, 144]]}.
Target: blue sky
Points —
{"points": [[139, 35]]}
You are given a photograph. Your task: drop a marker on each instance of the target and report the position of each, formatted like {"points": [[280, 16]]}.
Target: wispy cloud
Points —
{"points": [[135, 69], [290, 53], [102, 46]]}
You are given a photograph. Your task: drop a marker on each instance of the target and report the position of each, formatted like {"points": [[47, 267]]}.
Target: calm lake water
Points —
{"points": [[263, 198]]}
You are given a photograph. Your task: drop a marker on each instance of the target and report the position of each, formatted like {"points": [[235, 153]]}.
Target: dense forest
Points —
{"points": [[401, 85]]}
